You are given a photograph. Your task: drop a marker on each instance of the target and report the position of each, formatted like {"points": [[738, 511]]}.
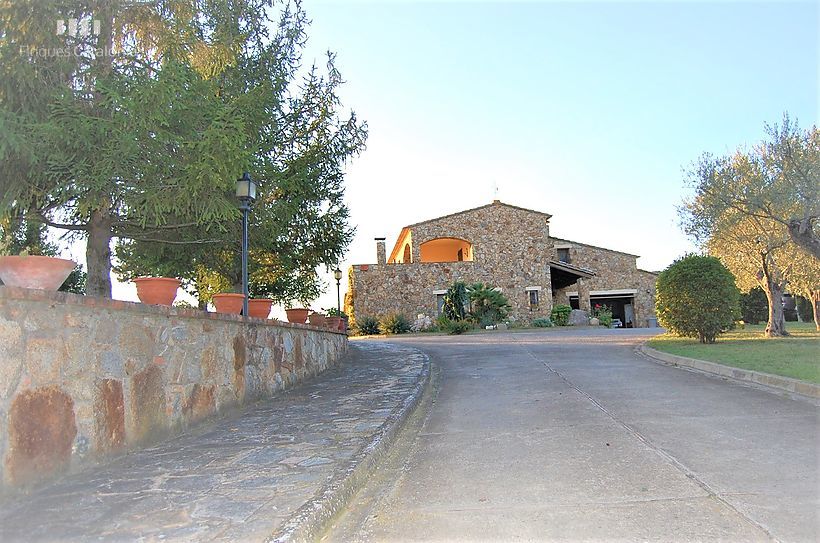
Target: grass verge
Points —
{"points": [[797, 356]]}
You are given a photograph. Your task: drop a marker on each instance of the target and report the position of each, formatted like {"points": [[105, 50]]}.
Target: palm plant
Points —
{"points": [[487, 305]]}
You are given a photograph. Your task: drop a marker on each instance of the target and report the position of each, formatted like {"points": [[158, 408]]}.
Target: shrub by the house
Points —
{"points": [[696, 296], [395, 323], [603, 313], [453, 327], [542, 323], [367, 326], [560, 314]]}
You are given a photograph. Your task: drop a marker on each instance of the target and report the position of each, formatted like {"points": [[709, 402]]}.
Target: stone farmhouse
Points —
{"points": [[509, 248]]}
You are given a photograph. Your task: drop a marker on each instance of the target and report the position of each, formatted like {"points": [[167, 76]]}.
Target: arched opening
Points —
{"points": [[407, 258], [446, 250]]}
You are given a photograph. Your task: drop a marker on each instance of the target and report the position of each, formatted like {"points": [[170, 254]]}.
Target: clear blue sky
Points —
{"points": [[588, 111]]}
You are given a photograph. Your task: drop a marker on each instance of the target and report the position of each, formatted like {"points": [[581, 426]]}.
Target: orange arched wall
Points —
{"points": [[445, 250]]}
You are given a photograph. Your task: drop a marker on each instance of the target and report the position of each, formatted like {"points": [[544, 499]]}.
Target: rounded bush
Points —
{"points": [[696, 296]]}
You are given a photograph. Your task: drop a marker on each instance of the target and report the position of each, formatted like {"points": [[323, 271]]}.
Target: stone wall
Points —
{"points": [[82, 378], [511, 249], [613, 270]]}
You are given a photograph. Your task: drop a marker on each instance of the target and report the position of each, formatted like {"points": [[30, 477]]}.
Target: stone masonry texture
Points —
{"points": [[246, 477], [511, 249], [82, 378]]}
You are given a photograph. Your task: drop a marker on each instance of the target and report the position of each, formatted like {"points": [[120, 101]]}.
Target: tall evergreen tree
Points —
{"points": [[139, 134]]}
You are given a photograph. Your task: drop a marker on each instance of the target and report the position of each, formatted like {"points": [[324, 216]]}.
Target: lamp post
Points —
{"points": [[246, 192], [337, 273]]}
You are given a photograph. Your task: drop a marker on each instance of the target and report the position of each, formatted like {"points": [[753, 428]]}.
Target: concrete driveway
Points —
{"points": [[569, 435]]}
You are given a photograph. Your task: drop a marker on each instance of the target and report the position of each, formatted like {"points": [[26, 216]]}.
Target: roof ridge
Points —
{"points": [[493, 203], [594, 246]]}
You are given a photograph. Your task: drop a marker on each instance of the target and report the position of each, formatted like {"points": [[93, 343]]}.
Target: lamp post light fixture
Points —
{"points": [[246, 192], [337, 273]]}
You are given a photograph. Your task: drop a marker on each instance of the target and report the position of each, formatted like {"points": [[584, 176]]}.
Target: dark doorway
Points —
{"points": [[623, 308]]}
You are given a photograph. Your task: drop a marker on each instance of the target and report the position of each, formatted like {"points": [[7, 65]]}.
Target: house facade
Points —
{"points": [[506, 247]]}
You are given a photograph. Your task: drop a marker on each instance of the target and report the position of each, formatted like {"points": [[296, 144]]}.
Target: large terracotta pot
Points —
{"points": [[317, 319], [156, 290], [229, 302], [297, 315], [259, 307], [40, 272], [334, 323]]}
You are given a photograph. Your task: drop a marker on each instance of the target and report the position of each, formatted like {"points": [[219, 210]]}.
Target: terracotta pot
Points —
{"points": [[40, 272], [259, 307], [334, 323], [228, 302], [297, 315], [156, 290], [317, 319]]}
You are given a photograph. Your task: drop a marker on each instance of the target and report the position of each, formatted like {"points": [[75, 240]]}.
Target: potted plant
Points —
{"points": [[228, 302], [298, 315], [317, 318], [259, 307], [34, 271], [156, 290], [336, 320]]}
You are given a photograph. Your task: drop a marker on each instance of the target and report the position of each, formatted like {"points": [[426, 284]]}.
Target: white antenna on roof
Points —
{"points": [[495, 191]]}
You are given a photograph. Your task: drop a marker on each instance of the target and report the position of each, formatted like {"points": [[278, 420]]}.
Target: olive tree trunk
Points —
{"points": [[774, 286], [776, 325]]}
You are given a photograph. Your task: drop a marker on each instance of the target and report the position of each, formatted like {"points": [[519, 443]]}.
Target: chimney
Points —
{"points": [[381, 251]]}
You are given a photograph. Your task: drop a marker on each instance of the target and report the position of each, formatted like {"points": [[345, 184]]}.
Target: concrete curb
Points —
{"points": [[767, 380], [312, 519]]}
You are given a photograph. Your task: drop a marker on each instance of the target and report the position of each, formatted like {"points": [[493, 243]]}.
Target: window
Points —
{"points": [[407, 257], [533, 295], [563, 255], [440, 300], [460, 255]]}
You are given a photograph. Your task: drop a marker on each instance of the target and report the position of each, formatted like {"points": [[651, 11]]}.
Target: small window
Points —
{"points": [[440, 303], [533, 295], [407, 257], [563, 255]]}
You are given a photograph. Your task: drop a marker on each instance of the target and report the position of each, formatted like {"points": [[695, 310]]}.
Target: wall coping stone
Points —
{"points": [[68, 298]]}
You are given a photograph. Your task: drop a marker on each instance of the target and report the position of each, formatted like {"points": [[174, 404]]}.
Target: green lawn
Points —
{"points": [[797, 356]]}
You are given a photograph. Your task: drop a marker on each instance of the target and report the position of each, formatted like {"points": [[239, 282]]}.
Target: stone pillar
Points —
{"points": [[381, 251], [583, 296]]}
